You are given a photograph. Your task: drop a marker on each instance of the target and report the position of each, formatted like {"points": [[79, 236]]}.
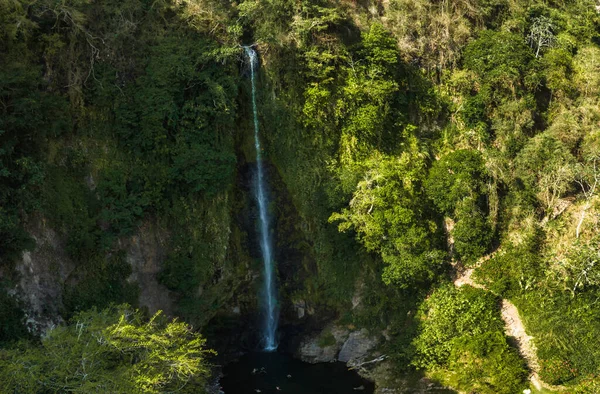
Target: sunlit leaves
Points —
{"points": [[580, 269], [587, 68], [116, 351], [503, 62], [388, 213]]}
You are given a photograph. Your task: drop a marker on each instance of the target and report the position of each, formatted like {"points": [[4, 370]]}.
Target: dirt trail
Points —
{"points": [[513, 325]]}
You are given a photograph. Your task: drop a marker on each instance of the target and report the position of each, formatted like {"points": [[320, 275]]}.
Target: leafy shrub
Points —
{"points": [[389, 214], [326, 339], [451, 313], [122, 205], [485, 363], [203, 168], [461, 339], [73, 210], [503, 62], [98, 283], [580, 269], [546, 167], [116, 350], [473, 112], [566, 328]]}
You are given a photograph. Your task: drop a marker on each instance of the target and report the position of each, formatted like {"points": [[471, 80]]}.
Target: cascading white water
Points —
{"points": [[268, 294]]}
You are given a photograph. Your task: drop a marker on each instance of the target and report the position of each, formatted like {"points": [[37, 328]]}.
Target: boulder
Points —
{"points": [[324, 346], [357, 346]]}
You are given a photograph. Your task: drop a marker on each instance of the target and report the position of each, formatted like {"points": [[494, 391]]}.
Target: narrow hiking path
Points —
{"points": [[513, 325]]}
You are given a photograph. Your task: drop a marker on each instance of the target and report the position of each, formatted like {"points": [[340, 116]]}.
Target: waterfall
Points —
{"points": [[268, 294]]}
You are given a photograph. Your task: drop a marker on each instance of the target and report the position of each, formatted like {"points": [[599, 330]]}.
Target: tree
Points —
{"points": [[456, 176], [547, 167], [581, 267], [541, 34], [115, 350], [461, 335], [368, 106], [503, 63], [389, 214], [472, 233]]}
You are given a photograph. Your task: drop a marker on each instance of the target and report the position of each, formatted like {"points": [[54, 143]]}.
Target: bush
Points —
{"points": [[503, 62], [566, 329], [122, 203], [450, 314], [116, 350], [485, 363], [326, 339], [99, 283]]}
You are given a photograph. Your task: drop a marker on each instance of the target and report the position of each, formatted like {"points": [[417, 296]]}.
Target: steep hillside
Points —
{"points": [[406, 142]]}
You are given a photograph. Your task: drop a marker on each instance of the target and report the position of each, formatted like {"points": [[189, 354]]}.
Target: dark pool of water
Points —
{"points": [[277, 373]]}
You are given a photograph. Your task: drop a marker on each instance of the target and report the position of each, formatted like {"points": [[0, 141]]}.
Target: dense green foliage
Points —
{"points": [[115, 350], [408, 135], [114, 115], [462, 335], [483, 122]]}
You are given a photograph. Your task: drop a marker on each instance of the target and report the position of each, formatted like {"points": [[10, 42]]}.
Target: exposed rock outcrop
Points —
{"points": [[324, 346], [145, 253], [42, 272], [337, 343], [358, 345]]}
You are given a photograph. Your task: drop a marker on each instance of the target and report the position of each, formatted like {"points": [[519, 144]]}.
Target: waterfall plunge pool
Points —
{"points": [[279, 373]]}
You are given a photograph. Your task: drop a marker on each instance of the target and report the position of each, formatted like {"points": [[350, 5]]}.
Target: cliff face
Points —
{"points": [[42, 274], [45, 272], [145, 253]]}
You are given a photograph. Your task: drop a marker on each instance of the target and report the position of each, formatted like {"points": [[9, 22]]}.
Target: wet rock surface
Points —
{"points": [[324, 346]]}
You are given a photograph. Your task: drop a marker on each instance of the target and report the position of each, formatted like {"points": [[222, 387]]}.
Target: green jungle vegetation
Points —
{"points": [[411, 137]]}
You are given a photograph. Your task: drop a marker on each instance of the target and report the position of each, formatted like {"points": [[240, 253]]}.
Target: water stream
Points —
{"points": [[268, 296]]}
